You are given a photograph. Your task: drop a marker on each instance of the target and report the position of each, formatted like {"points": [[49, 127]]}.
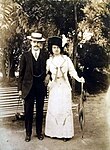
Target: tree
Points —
{"points": [[14, 22], [93, 24], [93, 39]]}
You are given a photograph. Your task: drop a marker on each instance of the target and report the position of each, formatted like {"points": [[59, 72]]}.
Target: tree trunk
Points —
{"points": [[3, 68], [11, 67], [74, 47]]}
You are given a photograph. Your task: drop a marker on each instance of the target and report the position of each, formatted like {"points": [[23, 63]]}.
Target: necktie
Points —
{"points": [[36, 55]]}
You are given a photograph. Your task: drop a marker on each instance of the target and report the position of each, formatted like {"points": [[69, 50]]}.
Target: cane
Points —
{"points": [[81, 111], [19, 115]]}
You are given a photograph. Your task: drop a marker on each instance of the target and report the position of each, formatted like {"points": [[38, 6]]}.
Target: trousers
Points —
{"points": [[34, 97]]}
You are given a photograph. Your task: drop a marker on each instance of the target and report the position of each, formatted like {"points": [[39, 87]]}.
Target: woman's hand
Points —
{"points": [[82, 80]]}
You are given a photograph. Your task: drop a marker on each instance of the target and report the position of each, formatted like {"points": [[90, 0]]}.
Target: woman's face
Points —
{"points": [[56, 50]]}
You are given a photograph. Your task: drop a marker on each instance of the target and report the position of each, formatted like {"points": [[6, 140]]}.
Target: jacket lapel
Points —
{"points": [[30, 62]]}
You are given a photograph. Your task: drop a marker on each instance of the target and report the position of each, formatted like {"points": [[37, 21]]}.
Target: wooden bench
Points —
{"points": [[10, 104]]}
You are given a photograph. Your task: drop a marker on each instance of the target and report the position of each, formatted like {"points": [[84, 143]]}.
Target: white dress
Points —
{"points": [[59, 117]]}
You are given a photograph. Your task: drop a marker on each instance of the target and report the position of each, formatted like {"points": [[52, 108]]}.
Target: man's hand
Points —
{"points": [[20, 93], [47, 78]]}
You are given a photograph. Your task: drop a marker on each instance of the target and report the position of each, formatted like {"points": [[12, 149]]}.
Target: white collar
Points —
{"points": [[33, 52]]}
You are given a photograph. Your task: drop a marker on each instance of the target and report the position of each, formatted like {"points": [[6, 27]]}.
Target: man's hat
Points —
{"points": [[36, 37], [55, 40]]}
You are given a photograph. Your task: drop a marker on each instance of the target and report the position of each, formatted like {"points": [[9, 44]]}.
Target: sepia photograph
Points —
{"points": [[54, 75]]}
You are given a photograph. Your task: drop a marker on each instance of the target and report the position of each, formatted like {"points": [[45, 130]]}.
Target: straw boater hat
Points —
{"points": [[36, 37], [55, 40]]}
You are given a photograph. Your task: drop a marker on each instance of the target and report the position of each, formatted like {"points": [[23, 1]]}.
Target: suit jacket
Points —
{"points": [[25, 80]]}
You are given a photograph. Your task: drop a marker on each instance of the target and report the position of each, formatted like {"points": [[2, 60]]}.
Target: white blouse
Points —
{"points": [[60, 66]]}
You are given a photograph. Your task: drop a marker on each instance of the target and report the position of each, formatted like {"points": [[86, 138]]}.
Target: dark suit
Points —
{"points": [[31, 82]]}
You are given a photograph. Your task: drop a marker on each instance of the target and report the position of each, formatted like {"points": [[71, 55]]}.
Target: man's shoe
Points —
{"points": [[40, 137], [27, 138]]}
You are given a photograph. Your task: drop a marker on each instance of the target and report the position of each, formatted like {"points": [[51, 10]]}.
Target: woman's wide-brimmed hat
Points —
{"points": [[55, 40], [36, 37]]}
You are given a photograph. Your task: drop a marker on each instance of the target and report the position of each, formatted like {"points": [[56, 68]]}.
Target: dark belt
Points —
{"points": [[59, 77]]}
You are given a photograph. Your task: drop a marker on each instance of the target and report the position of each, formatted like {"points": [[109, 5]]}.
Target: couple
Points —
{"points": [[36, 70]]}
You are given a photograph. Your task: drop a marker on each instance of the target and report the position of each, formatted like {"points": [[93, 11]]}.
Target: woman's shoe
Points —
{"points": [[66, 139]]}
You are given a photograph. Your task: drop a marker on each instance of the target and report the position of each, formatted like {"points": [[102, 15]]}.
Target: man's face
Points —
{"points": [[36, 45]]}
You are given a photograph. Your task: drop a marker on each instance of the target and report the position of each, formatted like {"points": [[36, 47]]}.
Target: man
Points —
{"points": [[31, 86]]}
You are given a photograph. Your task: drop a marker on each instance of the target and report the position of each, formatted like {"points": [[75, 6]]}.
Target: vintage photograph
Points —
{"points": [[55, 75]]}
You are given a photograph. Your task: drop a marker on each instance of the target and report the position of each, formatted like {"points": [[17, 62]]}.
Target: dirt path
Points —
{"points": [[96, 135]]}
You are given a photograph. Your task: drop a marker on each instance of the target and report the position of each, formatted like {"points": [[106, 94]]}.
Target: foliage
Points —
{"points": [[53, 17], [94, 59], [22, 17], [14, 22], [93, 48], [92, 56], [94, 44], [45, 13], [94, 23]]}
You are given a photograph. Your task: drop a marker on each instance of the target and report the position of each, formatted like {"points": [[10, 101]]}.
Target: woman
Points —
{"points": [[59, 118]]}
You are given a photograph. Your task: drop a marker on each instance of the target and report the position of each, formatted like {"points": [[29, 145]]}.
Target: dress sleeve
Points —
{"points": [[72, 70]]}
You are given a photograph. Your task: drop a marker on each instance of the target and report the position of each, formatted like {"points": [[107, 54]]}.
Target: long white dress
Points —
{"points": [[59, 117]]}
